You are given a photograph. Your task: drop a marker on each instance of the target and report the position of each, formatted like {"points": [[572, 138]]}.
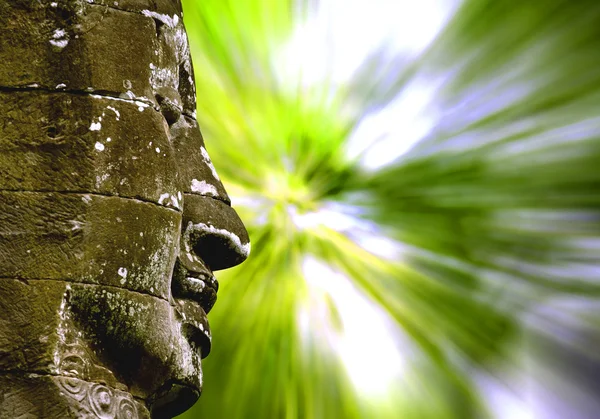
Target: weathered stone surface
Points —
{"points": [[49, 339], [103, 295], [92, 143], [30, 320], [74, 45], [88, 238], [29, 396], [197, 174], [172, 72], [168, 7], [65, 142], [88, 331], [64, 397], [148, 342]]}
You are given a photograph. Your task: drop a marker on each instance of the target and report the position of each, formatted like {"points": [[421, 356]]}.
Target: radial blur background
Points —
{"points": [[420, 181]]}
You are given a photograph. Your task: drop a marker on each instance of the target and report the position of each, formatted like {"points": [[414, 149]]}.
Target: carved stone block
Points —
{"points": [[67, 142], [89, 238], [112, 216]]}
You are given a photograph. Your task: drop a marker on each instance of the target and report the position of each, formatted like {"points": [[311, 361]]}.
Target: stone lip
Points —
{"points": [[198, 285]]}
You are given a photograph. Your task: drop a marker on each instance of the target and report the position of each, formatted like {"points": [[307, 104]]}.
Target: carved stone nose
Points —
{"points": [[213, 232]]}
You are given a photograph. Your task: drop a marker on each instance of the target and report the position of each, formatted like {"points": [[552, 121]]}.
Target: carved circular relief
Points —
{"points": [[101, 401], [74, 364], [126, 409], [74, 387]]}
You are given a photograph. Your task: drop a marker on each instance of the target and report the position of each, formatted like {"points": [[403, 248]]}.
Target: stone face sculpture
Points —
{"points": [[112, 216]]}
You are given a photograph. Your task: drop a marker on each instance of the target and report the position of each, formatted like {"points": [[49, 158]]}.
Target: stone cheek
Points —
{"points": [[95, 338], [96, 239], [138, 337], [29, 323]]}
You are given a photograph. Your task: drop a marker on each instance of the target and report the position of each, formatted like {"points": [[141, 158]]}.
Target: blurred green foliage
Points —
{"points": [[495, 209]]}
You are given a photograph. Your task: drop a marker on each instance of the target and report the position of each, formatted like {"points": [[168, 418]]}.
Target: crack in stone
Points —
{"points": [[216, 198], [83, 193], [120, 9], [70, 281], [34, 87], [189, 116]]}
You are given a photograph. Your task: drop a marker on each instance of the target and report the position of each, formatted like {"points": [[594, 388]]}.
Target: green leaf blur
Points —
{"points": [[491, 215]]}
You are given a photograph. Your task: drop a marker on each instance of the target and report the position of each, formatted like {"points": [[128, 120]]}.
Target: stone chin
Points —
{"points": [[183, 389], [192, 343], [174, 399], [152, 346]]}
